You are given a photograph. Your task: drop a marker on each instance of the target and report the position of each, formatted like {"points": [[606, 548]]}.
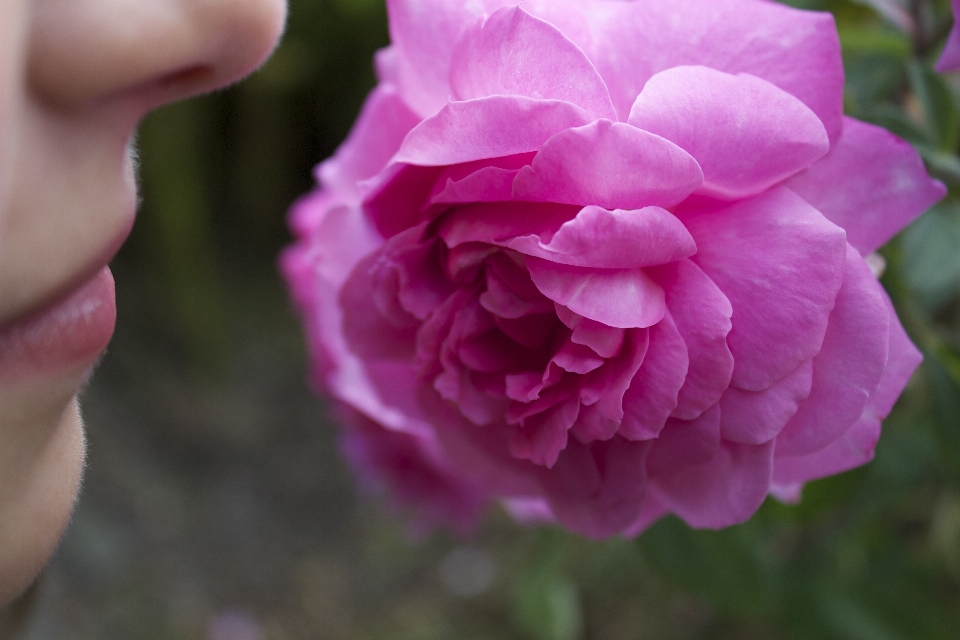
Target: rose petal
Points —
{"points": [[780, 263], [498, 223], [513, 53], [479, 453], [576, 358], [950, 58], [596, 490], [489, 184], [754, 417], [616, 239], [683, 443], [337, 238], [369, 333], [629, 42], [651, 511], [745, 133], [618, 298], [487, 128], [726, 490], [424, 33], [395, 198], [605, 389], [848, 369], [852, 449], [532, 331], [856, 446], [872, 184], [543, 436], [605, 341], [488, 180], [380, 128], [653, 392], [417, 475], [609, 164], [903, 358], [702, 315]]}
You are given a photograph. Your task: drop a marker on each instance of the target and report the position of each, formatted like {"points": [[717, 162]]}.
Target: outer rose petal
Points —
{"points": [[615, 239], [489, 127], [903, 358], [848, 368], [684, 443], [724, 491], [780, 262], [629, 42], [651, 511], [755, 417], [513, 53], [424, 34], [856, 446], [366, 329], [745, 133], [381, 126], [609, 164], [336, 367], [596, 490], [619, 298], [872, 184], [950, 58], [415, 473]]}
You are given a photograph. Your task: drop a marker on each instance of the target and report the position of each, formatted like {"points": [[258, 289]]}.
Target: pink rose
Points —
{"points": [[604, 259]]}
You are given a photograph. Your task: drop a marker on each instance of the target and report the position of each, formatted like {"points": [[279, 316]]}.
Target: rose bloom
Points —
{"points": [[604, 261]]}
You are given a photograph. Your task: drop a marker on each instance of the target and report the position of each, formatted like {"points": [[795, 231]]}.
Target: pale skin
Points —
{"points": [[76, 76]]}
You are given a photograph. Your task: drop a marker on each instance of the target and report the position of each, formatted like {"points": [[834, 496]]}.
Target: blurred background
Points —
{"points": [[216, 506]]}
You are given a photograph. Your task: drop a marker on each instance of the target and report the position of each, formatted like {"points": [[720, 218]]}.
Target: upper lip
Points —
{"points": [[77, 280]]}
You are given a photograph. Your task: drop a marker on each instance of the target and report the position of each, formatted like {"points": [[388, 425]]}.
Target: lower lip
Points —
{"points": [[70, 334]]}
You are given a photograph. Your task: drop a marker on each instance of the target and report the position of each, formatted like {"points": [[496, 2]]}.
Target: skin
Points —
{"points": [[76, 76]]}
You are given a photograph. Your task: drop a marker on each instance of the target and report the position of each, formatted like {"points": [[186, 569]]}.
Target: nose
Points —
{"points": [[83, 52]]}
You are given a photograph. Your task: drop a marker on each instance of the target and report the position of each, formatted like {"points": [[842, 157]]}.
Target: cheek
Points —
{"points": [[12, 31], [36, 504]]}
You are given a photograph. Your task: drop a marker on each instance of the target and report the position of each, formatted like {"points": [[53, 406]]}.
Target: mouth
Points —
{"points": [[68, 334]]}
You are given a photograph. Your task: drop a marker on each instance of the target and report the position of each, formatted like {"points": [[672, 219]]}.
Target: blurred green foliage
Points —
{"points": [[873, 554]]}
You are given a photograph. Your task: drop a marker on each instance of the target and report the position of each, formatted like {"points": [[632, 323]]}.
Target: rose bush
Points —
{"points": [[604, 260]]}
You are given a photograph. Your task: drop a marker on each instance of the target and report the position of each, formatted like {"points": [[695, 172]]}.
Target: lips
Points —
{"points": [[70, 333]]}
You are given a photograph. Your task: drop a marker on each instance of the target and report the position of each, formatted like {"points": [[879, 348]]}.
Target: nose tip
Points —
{"points": [[84, 51]]}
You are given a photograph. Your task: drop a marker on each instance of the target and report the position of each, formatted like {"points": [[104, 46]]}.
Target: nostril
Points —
{"points": [[187, 81], [189, 76]]}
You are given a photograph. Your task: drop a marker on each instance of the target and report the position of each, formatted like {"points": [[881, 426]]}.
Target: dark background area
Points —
{"points": [[216, 506]]}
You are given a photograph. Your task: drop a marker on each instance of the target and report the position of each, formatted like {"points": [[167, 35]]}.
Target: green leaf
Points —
{"points": [[547, 603], [873, 78], [931, 255], [873, 38], [939, 105], [941, 164], [725, 566], [946, 402], [893, 118]]}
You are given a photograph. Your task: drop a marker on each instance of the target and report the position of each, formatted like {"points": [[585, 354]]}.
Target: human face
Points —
{"points": [[76, 76]]}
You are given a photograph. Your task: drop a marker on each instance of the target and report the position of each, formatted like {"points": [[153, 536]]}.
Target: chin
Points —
{"points": [[35, 513]]}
